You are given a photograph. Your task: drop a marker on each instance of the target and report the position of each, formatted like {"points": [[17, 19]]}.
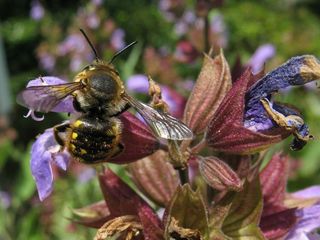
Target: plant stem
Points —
{"points": [[183, 175], [206, 34]]}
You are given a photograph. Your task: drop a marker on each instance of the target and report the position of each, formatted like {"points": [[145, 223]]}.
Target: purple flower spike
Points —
{"points": [[45, 151], [261, 55]]}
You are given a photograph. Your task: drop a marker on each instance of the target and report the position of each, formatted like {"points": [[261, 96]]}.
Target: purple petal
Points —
{"points": [[37, 11], [309, 220], [117, 39], [310, 192], [66, 105], [44, 151], [138, 83], [261, 55]]}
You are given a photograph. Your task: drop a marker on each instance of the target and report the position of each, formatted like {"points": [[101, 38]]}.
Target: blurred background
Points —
{"points": [[40, 38]]}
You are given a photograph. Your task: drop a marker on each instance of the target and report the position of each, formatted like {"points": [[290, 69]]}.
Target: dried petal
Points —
{"points": [[155, 177], [127, 227], [184, 203], [94, 215], [137, 139], [219, 175], [213, 82], [226, 131]]}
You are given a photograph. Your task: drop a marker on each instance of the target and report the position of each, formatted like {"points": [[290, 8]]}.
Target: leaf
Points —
{"points": [[155, 177], [212, 84], [186, 214]]}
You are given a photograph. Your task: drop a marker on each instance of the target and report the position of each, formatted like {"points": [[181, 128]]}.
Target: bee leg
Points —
{"points": [[60, 129]]}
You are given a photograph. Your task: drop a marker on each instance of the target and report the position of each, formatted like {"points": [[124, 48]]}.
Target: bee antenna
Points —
{"points": [[90, 44], [122, 50]]}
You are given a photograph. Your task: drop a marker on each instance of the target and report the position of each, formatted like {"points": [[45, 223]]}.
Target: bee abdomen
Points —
{"points": [[91, 144]]}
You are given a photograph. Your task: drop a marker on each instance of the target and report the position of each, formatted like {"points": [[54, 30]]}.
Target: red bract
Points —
{"points": [[212, 84], [123, 201], [155, 177], [137, 139], [219, 175], [277, 220], [226, 132]]}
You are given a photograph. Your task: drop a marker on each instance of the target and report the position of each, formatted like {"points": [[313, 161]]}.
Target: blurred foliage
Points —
{"points": [[291, 26]]}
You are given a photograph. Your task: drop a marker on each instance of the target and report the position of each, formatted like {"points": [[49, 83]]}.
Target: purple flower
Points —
{"points": [[96, 2], [37, 10], [66, 105], [44, 152], [117, 39], [139, 83], [308, 217], [73, 43], [5, 200], [263, 114], [93, 20], [47, 61], [261, 55]]}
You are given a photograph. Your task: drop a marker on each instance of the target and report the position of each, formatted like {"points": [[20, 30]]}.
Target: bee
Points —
{"points": [[99, 96]]}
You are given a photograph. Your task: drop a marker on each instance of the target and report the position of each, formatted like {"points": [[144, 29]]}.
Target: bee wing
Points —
{"points": [[162, 124], [45, 97]]}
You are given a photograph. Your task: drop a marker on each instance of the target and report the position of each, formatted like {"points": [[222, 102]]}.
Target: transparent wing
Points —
{"points": [[45, 97], [162, 124]]}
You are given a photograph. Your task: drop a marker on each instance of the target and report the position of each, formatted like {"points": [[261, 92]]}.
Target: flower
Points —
{"points": [[248, 120], [37, 10], [46, 150], [138, 83], [117, 39], [260, 56]]}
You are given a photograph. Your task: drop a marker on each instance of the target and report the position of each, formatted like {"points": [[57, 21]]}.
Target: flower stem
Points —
{"points": [[183, 175], [197, 148], [206, 33]]}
